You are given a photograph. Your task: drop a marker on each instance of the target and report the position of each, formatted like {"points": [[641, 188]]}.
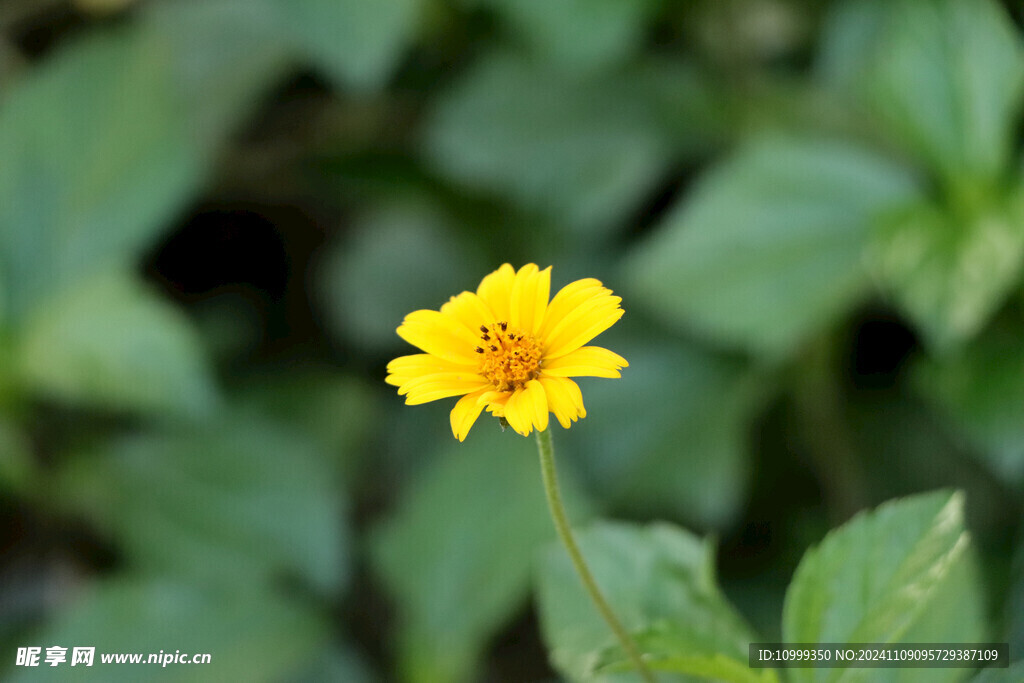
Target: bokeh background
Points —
{"points": [[213, 215]]}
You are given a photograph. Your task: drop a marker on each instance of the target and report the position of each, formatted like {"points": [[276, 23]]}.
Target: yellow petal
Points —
{"points": [[405, 368], [538, 399], [589, 361], [541, 297], [417, 362], [439, 379], [597, 301], [529, 297], [496, 290], [519, 412], [498, 397], [562, 400], [495, 401], [583, 329], [568, 299], [465, 413], [445, 323], [470, 310], [432, 392], [438, 335]]}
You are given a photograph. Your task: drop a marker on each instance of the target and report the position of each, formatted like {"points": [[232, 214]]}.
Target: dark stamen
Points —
{"points": [[479, 350], [493, 347], [486, 337], [504, 326]]}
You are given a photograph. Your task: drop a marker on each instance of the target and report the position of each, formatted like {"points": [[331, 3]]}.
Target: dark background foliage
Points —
{"points": [[213, 215]]}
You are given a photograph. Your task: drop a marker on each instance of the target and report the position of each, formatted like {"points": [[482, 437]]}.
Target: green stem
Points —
{"points": [[550, 476]]}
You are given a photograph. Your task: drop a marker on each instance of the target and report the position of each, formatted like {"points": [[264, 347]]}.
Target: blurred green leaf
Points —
{"points": [[947, 272], [10, 392], [768, 248], [242, 502], [230, 325], [458, 552], [223, 55], [4, 303], [96, 158], [883, 577], [356, 42], [336, 410], [505, 130], [579, 34], [947, 78], [849, 33], [336, 664], [12, 65], [980, 390], [583, 151], [698, 112], [17, 468], [709, 652], [111, 134], [111, 343], [660, 581], [1014, 612], [669, 438], [904, 445], [1013, 674], [389, 267], [251, 636]]}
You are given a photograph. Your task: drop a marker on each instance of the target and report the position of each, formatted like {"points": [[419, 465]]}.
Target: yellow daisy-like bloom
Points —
{"points": [[508, 349]]}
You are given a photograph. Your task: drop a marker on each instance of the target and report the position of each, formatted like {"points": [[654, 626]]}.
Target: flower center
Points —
{"points": [[508, 357]]}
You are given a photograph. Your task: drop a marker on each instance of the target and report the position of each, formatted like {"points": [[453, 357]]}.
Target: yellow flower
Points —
{"points": [[508, 349]]}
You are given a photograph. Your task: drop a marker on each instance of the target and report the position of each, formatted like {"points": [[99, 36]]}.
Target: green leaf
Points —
{"points": [[17, 468], [96, 159], [388, 268], [579, 34], [677, 447], [849, 33], [701, 115], [768, 248], [110, 134], [457, 553], [249, 635], [336, 410], [950, 273], [660, 582], [957, 615], [947, 78], [239, 503], [224, 55], [356, 42], [1013, 674], [980, 391], [4, 301], [112, 344], [707, 651], [1014, 632], [342, 664], [582, 151], [901, 573], [12, 66]]}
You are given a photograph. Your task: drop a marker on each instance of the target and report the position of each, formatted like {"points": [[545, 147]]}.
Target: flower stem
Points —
{"points": [[550, 476]]}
